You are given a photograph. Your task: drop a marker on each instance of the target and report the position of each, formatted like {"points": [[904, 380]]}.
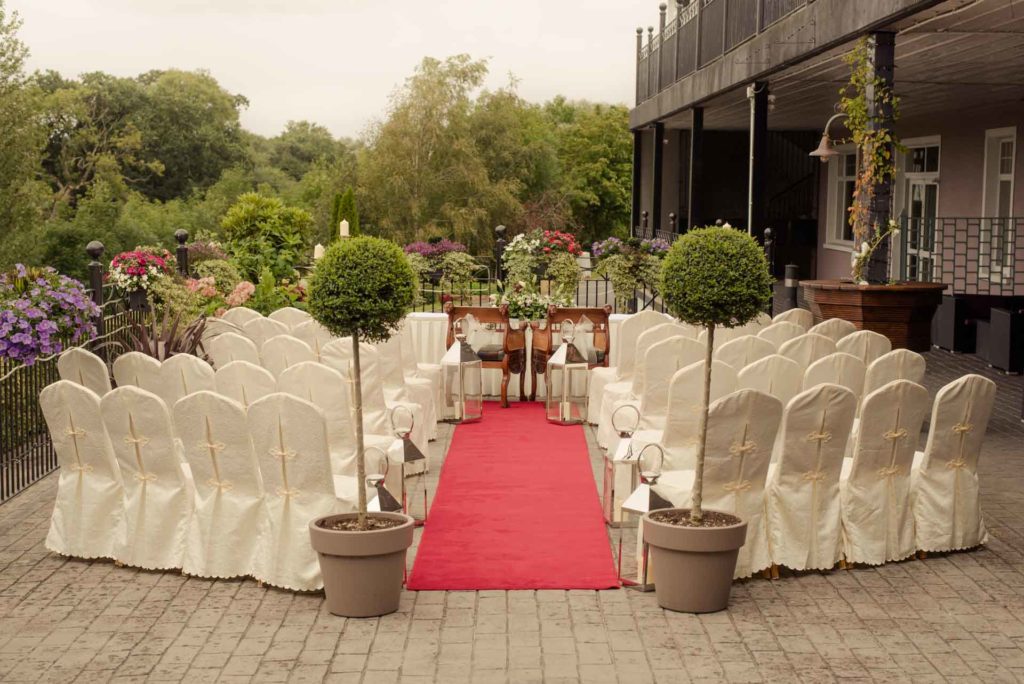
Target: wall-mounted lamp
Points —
{"points": [[826, 150]]}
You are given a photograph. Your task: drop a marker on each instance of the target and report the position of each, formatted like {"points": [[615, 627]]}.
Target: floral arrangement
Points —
{"points": [[525, 302], [554, 241], [136, 270], [860, 258], [630, 265], [434, 249], [41, 312], [602, 249]]}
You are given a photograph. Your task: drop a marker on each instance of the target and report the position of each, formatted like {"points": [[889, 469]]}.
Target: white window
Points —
{"points": [[919, 189], [842, 179], [997, 238]]}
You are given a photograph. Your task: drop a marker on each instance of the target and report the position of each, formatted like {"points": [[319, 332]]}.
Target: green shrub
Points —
{"points": [[261, 232], [225, 274]]}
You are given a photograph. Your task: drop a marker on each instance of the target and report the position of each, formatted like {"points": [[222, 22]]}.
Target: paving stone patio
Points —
{"points": [[958, 617]]}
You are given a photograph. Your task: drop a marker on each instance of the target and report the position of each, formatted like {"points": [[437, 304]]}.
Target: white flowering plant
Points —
{"points": [[525, 302], [860, 258], [138, 270]]}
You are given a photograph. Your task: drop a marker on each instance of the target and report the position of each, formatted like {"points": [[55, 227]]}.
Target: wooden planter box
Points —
{"points": [[902, 312]]}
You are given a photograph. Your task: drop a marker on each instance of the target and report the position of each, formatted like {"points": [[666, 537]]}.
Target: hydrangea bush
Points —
{"points": [[42, 313], [434, 249], [136, 270]]}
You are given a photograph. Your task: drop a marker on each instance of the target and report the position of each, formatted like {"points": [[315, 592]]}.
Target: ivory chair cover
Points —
{"points": [[291, 317], [780, 333], [328, 390], [633, 388], [284, 351], [431, 372], [743, 351], [623, 359], [313, 334], [85, 368], [138, 370], [244, 382], [230, 347], [741, 432], [797, 316], [833, 328], [400, 388], [866, 345], [899, 364], [218, 326], [802, 495], [240, 315], [878, 523], [158, 493], [229, 517], [183, 374], [807, 349], [663, 360], [289, 436], [775, 375], [839, 369], [944, 496], [88, 514], [259, 330], [724, 335], [760, 322]]}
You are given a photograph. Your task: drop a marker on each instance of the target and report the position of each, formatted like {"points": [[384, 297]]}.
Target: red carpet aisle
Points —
{"points": [[516, 508]]}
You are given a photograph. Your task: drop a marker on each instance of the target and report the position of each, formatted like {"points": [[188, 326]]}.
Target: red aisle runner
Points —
{"points": [[516, 508]]}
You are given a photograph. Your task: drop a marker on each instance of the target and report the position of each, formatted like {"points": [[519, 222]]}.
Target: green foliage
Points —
{"points": [[629, 272], [347, 211], [225, 274], [564, 272], [262, 233], [269, 296], [420, 266], [301, 145], [458, 271], [362, 286], [716, 277], [170, 297]]}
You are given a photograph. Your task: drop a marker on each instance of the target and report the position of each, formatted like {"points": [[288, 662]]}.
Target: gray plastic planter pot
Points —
{"points": [[362, 571], [693, 565]]}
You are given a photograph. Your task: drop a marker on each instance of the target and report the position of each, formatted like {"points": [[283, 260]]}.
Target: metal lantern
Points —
{"points": [[463, 378], [620, 474], [566, 381], [643, 500], [410, 454], [385, 500]]}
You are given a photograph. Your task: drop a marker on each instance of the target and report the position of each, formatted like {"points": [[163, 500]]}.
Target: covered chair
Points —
{"points": [[743, 351], [878, 523], [780, 333], [591, 327], [797, 316], [833, 328], [240, 315], [158, 493], [80, 365], [398, 387], [419, 371], [866, 345], [802, 495], [289, 436], [741, 432], [622, 359], [259, 330], [507, 354], [899, 364], [138, 370], [290, 316], [244, 382], [313, 334], [183, 374], [88, 514], [230, 347], [839, 369], [807, 349], [944, 494], [284, 351], [227, 525], [775, 375], [663, 360]]}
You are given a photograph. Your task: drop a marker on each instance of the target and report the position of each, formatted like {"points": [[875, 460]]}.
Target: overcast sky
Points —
{"points": [[337, 61]]}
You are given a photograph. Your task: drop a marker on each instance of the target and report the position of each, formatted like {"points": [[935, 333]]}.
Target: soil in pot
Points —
{"points": [[695, 563]]}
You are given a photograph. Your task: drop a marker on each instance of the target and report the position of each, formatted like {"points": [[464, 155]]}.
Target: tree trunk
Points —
{"points": [[360, 454], [696, 510]]}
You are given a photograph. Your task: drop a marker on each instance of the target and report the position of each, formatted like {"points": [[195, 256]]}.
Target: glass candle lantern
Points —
{"points": [[463, 375], [566, 379]]}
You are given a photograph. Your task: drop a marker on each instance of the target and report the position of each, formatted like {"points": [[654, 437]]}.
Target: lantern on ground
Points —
{"points": [[402, 423], [462, 370], [566, 381], [620, 473], [376, 481], [643, 500]]}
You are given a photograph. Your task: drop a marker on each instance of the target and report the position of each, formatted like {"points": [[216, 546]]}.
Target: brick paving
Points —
{"points": [[958, 617]]}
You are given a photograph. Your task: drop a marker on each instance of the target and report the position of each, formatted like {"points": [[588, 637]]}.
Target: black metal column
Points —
{"points": [[882, 46], [696, 175], [758, 160], [659, 169], [638, 160]]}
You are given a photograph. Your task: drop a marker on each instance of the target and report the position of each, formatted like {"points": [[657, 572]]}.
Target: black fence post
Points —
{"points": [[95, 250], [181, 236], [643, 224], [789, 286], [672, 222], [499, 249]]}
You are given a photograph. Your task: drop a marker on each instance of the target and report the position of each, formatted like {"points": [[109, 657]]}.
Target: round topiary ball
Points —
{"points": [[716, 277], [362, 285]]}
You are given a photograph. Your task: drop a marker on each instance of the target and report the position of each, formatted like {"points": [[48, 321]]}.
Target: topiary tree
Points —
{"points": [[347, 211], [362, 287], [714, 277]]}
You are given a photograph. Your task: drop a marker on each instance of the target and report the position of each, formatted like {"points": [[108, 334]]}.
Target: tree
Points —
{"points": [[347, 211], [301, 145], [262, 232]]}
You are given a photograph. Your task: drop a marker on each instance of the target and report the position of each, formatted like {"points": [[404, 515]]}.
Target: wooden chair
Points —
{"points": [[543, 339], [509, 356]]}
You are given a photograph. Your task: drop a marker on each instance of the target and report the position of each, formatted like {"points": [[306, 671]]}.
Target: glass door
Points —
{"points": [[922, 206]]}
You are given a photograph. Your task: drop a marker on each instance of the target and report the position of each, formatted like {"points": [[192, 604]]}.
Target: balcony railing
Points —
{"points": [[702, 31]]}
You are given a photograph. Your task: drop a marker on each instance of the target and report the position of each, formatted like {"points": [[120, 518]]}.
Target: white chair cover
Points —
{"points": [[313, 334], [800, 317], [780, 333], [80, 365], [866, 345], [725, 335], [289, 436], [775, 375], [802, 496], [899, 364], [947, 511], [229, 517], [743, 351], [839, 369], [741, 431], [88, 515], [834, 328], [878, 524], [431, 372], [807, 349], [230, 347], [158, 494], [240, 315], [244, 382], [663, 360], [283, 351], [183, 374], [259, 330], [138, 370], [400, 388], [291, 317], [621, 364]]}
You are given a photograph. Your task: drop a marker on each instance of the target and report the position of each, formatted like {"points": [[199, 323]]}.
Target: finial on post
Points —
{"points": [[181, 236], [95, 249]]}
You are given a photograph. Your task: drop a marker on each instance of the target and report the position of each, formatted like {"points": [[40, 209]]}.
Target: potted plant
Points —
{"points": [[136, 271], [630, 265], [711, 277], [362, 288]]}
